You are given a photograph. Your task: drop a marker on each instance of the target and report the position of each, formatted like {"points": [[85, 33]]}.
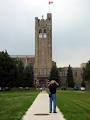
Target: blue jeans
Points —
{"points": [[52, 102]]}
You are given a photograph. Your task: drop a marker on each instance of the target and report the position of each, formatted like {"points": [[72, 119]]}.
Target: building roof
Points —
{"points": [[22, 56]]}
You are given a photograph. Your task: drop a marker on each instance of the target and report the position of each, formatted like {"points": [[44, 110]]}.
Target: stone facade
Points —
{"points": [[77, 76], [63, 77], [43, 49], [26, 59]]}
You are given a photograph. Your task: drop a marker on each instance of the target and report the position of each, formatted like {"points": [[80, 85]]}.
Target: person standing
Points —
{"points": [[52, 95]]}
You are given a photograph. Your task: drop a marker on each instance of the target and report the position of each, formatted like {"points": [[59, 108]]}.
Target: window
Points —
{"points": [[44, 35], [40, 33], [44, 30]]}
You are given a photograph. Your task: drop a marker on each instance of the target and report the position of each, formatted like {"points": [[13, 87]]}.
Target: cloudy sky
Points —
{"points": [[71, 28]]}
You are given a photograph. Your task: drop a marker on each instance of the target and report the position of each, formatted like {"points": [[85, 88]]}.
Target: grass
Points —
{"points": [[13, 104], [74, 105]]}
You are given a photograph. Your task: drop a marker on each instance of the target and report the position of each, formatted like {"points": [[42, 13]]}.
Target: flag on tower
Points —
{"points": [[50, 2]]}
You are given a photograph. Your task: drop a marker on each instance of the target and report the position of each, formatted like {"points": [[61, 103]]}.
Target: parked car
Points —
{"points": [[82, 88]]}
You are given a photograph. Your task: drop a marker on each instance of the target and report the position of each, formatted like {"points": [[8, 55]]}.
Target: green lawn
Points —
{"points": [[75, 105], [13, 104]]}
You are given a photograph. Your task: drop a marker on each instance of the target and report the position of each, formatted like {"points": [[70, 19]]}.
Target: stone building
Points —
{"points": [[42, 61], [43, 49], [26, 59], [77, 77], [63, 77]]}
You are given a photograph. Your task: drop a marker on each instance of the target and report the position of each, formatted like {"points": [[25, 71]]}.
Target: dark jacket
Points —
{"points": [[52, 88]]}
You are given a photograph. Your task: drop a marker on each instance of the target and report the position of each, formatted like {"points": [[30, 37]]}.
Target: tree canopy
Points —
{"points": [[70, 77], [7, 70], [13, 73], [87, 71], [54, 74]]}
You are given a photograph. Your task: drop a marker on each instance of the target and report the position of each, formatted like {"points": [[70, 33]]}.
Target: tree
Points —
{"points": [[70, 77], [83, 77], [87, 71], [7, 70], [19, 73], [13, 73], [54, 74], [28, 80]]}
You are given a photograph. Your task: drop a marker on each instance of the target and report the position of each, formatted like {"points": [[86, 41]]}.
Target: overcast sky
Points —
{"points": [[71, 28]]}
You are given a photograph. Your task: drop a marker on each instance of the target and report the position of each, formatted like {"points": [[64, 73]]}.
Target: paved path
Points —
{"points": [[40, 110]]}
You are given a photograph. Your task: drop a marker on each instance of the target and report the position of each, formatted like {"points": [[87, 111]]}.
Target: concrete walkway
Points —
{"points": [[40, 110]]}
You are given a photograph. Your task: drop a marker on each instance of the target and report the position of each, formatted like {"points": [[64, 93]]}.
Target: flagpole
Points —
{"points": [[49, 3], [48, 8]]}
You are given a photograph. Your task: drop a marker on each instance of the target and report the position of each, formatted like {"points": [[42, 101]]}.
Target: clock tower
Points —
{"points": [[43, 49]]}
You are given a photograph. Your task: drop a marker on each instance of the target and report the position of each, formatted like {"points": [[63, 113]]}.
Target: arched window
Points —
{"points": [[44, 30], [44, 35], [40, 33]]}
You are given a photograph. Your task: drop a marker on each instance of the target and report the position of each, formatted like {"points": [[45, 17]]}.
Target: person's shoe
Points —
{"points": [[50, 112], [54, 112]]}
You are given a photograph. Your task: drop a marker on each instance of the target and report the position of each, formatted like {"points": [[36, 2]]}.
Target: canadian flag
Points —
{"points": [[50, 2]]}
